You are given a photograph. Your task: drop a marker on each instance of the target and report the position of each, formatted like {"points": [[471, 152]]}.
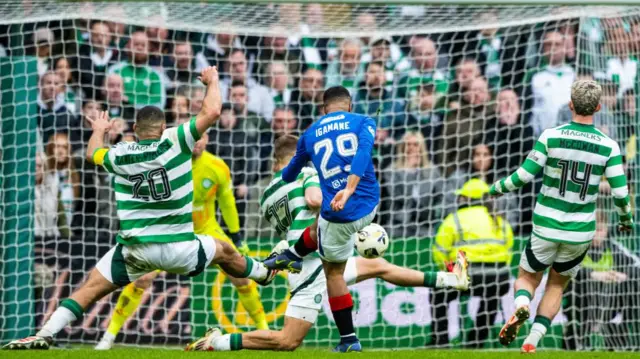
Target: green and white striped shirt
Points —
{"points": [[154, 187], [283, 204], [574, 157]]}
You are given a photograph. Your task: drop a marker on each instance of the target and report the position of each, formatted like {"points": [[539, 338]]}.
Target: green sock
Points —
{"points": [[430, 279], [236, 341]]}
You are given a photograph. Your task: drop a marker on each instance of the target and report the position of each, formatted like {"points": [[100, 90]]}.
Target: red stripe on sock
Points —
{"points": [[308, 241], [341, 302]]}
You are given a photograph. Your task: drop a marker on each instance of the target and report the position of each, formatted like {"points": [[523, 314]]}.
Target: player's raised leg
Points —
{"points": [[237, 265], [70, 310], [406, 277], [127, 304]]}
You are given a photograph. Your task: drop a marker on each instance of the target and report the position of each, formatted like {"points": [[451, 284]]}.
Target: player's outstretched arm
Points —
{"points": [[617, 179], [100, 125], [212, 103], [299, 160], [534, 163], [359, 164]]}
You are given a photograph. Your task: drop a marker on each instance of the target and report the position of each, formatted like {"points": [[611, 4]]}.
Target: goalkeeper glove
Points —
{"points": [[240, 244]]}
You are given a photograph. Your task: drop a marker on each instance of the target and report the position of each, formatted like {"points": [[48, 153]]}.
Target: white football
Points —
{"points": [[372, 241]]}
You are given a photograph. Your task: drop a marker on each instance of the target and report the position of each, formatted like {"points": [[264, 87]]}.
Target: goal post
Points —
{"points": [[459, 90]]}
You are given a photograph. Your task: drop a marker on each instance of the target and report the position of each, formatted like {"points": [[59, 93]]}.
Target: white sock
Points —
{"points": [[446, 280], [537, 332], [59, 319], [109, 337], [258, 270], [521, 301], [293, 250], [222, 344]]}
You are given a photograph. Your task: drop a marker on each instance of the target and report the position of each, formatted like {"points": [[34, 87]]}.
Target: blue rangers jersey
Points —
{"points": [[340, 144]]}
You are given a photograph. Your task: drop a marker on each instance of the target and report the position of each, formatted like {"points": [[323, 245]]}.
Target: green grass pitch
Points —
{"points": [[126, 353]]}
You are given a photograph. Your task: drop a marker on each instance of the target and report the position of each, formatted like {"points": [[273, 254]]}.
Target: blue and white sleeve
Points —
{"points": [[366, 138]]}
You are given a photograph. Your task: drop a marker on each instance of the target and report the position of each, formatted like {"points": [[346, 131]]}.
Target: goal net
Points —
{"points": [[458, 92]]}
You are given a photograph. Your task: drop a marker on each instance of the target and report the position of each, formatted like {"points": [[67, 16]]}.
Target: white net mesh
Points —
{"points": [[459, 92]]}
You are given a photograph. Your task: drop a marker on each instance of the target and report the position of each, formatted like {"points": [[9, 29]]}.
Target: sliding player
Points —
{"points": [[154, 193], [291, 209], [211, 184], [574, 158]]}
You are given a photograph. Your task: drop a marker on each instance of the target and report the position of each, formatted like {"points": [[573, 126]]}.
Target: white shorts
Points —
{"points": [[564, 258], [337, 240], [309, 287], [124, 264]]}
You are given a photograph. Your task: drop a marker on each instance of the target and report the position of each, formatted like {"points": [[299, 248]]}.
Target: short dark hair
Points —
{"points": [[335, 94], [285, 146], [237, 83], [149, 116], [237, 49]]}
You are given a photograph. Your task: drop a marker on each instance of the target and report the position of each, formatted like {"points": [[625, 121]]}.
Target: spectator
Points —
{"points": [[179, 113], [250, 122], [307, 99], [622, 66], [43, 41], [275, 48], [605, 286], [80, 136], [549, 86], [53, 115], [60, 162], [183, 71], [463, 126], [237, 148], [278, 81], [49, 220], [375, 101], [284, 122], [96, 58], [259, 99], [415, 187], [511, 136], [487, 240], [313, 49], [217, 49], [485, 47], [424, 58], [627, 117], [424, 111], [70, 88], [159, 46], [116, 101], [143, 85], [484, 167], [467, 70], [381, 49], [196, 96], [346, 69]]}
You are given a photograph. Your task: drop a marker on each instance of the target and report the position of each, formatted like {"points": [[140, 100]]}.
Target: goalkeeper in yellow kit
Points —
{"points": [[211, 183]]}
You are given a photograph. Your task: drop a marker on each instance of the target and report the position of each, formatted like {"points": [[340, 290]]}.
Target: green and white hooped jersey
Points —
{"points": [[153, 186], [283, 204], [574, 158]]}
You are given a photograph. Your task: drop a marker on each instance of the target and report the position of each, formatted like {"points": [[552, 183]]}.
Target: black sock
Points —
{"points": [[302, 245], [341, 307]]}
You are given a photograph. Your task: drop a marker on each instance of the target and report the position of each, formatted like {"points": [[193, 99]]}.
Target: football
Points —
{"points": [[372, 241]]}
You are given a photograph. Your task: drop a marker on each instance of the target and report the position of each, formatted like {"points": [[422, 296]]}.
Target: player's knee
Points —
{"points": [[143, 282], [225, 252], [289, 343]]}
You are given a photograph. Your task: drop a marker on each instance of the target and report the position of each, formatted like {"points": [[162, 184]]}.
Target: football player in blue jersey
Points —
{"points": [[339, 144]]}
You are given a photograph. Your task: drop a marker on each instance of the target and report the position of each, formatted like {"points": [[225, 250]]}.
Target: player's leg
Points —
{"points": [[565, 267], [290, 259], [127, 304], [235, 264], [536, 257], [109, 274], [405, 277], [250, 298]]}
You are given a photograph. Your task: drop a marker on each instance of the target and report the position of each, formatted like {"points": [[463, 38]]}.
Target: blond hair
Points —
{"points": [[585, 96], [401, 158]]}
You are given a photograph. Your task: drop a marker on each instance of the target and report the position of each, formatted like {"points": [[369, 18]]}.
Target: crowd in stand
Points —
{"points": [[449, 106]]}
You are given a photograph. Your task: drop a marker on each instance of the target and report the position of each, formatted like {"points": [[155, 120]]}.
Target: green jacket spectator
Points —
{"points": [[424, 58]]}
